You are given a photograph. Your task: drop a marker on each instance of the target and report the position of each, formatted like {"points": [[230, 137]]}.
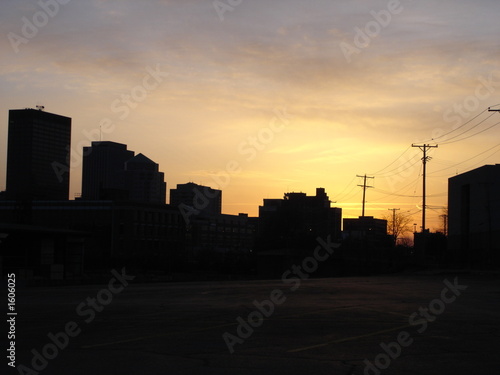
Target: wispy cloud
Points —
{"points": [[225, 79]]}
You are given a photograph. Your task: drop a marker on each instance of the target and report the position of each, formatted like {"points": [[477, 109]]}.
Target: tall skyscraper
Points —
{"points": [[104, 171], [38, 157]]}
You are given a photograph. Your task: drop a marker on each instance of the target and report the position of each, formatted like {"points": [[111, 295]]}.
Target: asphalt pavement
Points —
{"points": [[445, 323]]}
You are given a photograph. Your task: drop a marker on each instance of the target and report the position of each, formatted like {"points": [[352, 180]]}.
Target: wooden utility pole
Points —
{"points": [[394, 223], [364, 186], [424, 148]]}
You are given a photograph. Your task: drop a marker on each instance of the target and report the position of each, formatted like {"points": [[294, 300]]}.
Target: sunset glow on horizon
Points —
{"points": [[262, 98]]}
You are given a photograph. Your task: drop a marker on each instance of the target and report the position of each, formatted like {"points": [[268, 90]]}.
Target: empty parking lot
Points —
{"points": [[443, 323]]}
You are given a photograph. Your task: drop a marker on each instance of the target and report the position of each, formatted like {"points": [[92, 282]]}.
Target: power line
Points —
{"points": [[395, 160], [469, 159], [387, 194], [351, 195], [453, 130], [472, 135], [341, 194], [398, 169], [401, 190]]}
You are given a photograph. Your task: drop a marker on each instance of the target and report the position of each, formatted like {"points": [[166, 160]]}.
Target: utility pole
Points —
{"points": [[364, 186], [394, 223], [424, 148], [445, 224]]}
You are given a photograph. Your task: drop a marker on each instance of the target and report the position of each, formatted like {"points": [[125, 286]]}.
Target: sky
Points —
{"points": [[263, 97]]}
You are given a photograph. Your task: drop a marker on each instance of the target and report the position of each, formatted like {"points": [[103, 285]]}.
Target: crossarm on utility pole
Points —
{"points": [[364, 186]]}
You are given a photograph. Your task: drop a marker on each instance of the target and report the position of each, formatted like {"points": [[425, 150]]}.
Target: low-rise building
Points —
{"points": [[137, 235], [474, 217]]}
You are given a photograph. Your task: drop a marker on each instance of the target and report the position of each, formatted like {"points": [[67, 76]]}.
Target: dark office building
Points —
{"points": [[144, 182], [366, 227], [299, 214], [366, 246], [221, 243], [104, 171], [295, 221], [111, 172], [474, 217], [203, 200], [38, 157], [288, 231]]}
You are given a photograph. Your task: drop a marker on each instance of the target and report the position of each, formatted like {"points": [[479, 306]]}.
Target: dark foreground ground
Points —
{"points": [[325, 326]]}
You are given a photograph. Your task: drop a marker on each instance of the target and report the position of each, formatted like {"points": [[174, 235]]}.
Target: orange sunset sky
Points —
{"points": [[289, 95]]}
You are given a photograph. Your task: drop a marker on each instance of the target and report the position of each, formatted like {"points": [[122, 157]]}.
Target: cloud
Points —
{"points": [[225, 78]]}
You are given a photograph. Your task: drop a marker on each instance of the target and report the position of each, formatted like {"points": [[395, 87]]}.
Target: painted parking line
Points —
{"points": [[386, 312], [347, 339], [135, 339], [156, 336], [359, 336], [296, 315]]}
